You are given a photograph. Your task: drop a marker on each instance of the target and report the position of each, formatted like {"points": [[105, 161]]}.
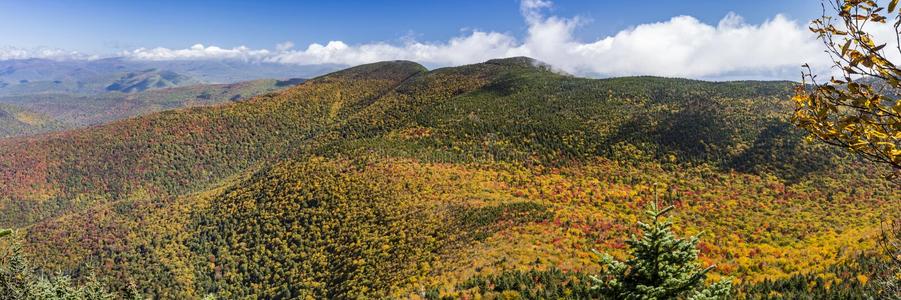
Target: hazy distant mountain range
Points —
{"points": [[38, 96], [30, 76], [72, 110]]}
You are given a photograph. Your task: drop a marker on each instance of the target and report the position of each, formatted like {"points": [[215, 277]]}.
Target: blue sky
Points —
{"points": [[700, 39], [98, 26]]}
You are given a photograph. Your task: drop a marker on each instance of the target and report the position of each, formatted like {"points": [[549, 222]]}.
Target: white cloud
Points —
{"points": [[284, 46], [531, 9], [198, 52], [476, 47], [8, 53], [682, 46]]}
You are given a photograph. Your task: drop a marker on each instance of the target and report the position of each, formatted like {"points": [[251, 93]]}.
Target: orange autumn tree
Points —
{"points": [[858, 110]]}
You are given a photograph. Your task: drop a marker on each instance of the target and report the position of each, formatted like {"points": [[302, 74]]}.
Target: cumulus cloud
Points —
{"points": [[284, 46], [198, 52], [682, 46], [476, 47], [531, 9], [8, 53]]}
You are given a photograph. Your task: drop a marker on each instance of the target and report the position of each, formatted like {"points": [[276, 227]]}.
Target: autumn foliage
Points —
{"points": [[453, 179]]}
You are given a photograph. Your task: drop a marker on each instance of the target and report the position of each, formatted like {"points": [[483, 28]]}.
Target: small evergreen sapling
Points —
{"points": [[661, 266]]}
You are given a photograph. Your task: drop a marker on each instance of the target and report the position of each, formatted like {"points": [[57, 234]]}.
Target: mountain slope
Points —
{"points": [[438, 176], [153, 154]]}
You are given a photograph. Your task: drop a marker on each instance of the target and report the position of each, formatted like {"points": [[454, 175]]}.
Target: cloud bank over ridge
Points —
{"points": [[682, 46], [9, 53]]}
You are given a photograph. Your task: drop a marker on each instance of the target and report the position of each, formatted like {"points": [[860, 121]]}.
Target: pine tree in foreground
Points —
{"points": [[661, 266], [18, 282]]}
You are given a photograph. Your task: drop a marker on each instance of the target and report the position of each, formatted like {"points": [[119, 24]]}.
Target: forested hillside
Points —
{"points": [[390, 180], [15, 120]]}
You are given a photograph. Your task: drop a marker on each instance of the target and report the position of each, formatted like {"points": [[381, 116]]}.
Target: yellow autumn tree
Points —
{"points": [[858, 110]]}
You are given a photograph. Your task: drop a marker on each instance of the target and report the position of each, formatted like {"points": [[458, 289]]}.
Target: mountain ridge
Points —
{"points": [[397, 94], [148, 79]]}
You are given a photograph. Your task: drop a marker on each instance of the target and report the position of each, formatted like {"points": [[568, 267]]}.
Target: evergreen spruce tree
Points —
{"points": [[661, 266], [58, 287], [14, 273], [96, 290], [18, 282], [133, 293]]}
